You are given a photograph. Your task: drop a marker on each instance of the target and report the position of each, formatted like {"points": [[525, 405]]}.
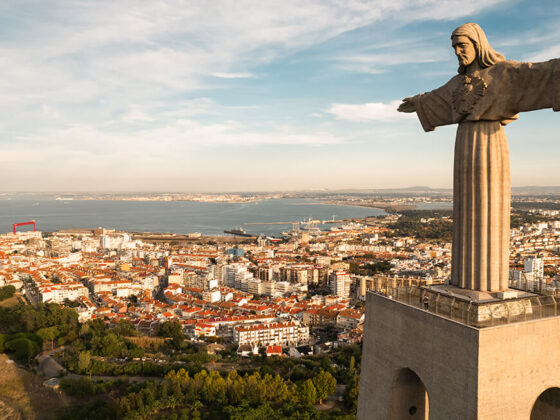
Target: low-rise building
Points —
{"points": [[282, 333]]}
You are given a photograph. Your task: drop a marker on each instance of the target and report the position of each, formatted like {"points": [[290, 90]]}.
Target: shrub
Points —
{"points": [[23, 348], [7, 292]]}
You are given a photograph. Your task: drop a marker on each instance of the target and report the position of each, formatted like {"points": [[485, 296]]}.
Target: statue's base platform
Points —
{"points": [[478, 297], [481, 309], [475, 308], [418, 363]]}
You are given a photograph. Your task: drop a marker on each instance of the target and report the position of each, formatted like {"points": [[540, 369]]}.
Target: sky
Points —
{"points": [[235, 95]]}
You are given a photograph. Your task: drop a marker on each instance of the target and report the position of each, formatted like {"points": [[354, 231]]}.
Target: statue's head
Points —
{"points": [[470, 44]]}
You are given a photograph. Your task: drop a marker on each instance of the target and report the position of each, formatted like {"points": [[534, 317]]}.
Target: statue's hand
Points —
{"points": [[407, 105]]}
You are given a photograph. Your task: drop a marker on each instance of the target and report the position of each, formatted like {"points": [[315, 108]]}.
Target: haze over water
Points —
{"points": [[179, 217]]}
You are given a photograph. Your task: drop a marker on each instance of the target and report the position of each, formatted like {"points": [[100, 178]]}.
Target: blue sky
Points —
{"points": [[248, 95]]}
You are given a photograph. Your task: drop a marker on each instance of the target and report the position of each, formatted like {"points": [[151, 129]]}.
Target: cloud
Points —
{"points": [[242, 75], [545, 54], [83, 50], [136, 114], [373, 63], [127, 80], [374, 111]]}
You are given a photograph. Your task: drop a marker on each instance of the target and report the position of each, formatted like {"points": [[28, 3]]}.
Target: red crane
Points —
{"points": [[32, 222]]}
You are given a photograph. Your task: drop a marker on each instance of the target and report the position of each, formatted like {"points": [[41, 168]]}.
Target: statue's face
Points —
{"points": [[464, 50]]}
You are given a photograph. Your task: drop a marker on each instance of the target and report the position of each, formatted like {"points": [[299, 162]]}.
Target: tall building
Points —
{"points": [[340, 283], [236, 276], [534, 267]]}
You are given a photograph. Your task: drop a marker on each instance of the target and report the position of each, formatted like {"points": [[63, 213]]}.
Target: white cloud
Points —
{"points": [[374, 111], [376, 63], [118, 78], [136, 114], [545, 54], [242, 75], [84, 50]]}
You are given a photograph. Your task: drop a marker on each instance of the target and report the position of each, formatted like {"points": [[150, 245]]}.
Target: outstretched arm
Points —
{"points": [[535, 86], [433, 108], [407, 105]]}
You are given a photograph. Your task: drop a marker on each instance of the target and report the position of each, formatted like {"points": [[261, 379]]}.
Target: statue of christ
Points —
{"points": [[487, 94]]}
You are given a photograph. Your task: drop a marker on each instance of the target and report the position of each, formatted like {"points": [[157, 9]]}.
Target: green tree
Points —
{"points": [[7, 292], [352, 366], [23, 349], [111, 346], [255, 390], [325, 385], [244, 412], [184, 414], [84, 329], [125, 328], [177, 394], [163, 391], [48, 334], [174, 330], [170, 329], [98, 327], [84, 362], [214, 388], [195, 414], [235, 387], [307, 392], [276, 388], [351, 393]]}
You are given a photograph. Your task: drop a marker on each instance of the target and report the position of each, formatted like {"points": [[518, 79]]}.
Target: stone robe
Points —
{"points": [[482, 104]]}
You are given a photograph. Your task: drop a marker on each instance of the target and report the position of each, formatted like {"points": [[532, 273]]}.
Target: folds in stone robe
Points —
{"points": [[481, 104]]}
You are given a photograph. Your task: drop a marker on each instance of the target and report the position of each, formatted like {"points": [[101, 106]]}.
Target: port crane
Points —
{"points": [[32, 222]]}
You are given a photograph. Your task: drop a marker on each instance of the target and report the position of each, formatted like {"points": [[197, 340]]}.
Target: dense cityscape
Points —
{"points": [[142, 307], [322, 210]]}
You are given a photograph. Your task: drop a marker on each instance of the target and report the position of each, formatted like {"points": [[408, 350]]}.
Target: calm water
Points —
{"points": [[174, 216]]}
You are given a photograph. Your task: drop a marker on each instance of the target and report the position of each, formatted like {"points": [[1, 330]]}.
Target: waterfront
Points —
{"points": [[175, 216]]}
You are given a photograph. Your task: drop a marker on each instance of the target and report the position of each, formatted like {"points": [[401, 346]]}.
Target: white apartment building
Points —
{"points": [[115, 241], [59, 292], [175, 277], [349, 319], [269, 287], [149, 283], [534, 266], [283, 287], [282, 333], [235, 274], [210, 284], [340, 282], [255, 286], [212, 295]]}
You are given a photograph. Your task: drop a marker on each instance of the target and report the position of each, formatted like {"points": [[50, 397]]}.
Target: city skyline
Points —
{"points": [[116, 96]]}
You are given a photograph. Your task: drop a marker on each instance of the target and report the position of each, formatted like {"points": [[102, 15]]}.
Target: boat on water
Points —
{"points": [[239, 231]]}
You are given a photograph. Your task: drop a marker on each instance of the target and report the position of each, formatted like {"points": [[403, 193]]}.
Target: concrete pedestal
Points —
{"points": [[419, 365]]}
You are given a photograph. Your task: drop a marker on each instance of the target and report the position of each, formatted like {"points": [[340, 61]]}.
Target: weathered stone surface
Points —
{"points": [[491, 373]]}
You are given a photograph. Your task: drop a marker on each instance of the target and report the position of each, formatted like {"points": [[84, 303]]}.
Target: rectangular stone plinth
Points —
{"points": [[468, 373], [480, 309], [475, 308]]}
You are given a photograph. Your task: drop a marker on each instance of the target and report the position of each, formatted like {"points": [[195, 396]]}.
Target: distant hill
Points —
{"points": [[422, 189], [532, 189]]}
